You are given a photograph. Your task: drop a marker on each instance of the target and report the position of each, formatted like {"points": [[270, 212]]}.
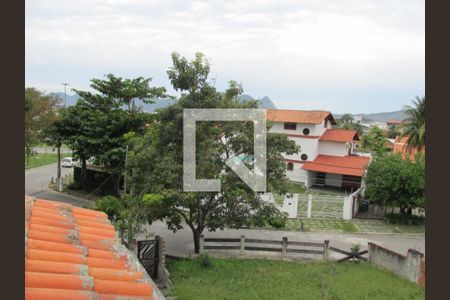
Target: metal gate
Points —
{"points": [[148, 256]]}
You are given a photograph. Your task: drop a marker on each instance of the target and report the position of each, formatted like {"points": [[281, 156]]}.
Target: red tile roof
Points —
{"points": [[74, 253], [345, 165], [339, 135], [401, 146], [299, 116]]}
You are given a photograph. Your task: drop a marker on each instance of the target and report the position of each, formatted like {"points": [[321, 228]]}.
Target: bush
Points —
{"points": [[278, 221], [404, 219], [110, 205], [204, 261], [74, 186]]}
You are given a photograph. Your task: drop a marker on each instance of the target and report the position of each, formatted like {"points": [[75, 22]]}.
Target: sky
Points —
{"points": [[347, 56]]}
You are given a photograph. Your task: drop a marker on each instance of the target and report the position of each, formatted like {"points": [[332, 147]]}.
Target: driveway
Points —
{"points": [[181, 242]]}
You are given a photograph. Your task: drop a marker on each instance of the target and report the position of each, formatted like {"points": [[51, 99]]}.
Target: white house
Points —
{"points": [[326, 156]]}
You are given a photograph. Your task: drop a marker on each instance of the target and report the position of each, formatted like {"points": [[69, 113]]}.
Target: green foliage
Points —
{"points": [[204, 261], [394, 131], [374, 141], [110, 205], [278, 221], [394, 182], [97, 126], [40, 112], [414, 124], [155, 164]]}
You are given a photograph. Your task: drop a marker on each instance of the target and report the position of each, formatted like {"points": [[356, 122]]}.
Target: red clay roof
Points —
{"points": [[74, 253], [345, 165], [394, 122], [401, 146], [339, 135], [299, 116]]}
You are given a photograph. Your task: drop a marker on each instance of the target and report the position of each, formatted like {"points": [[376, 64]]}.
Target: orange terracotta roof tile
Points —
{"points": [[299, 116], [339, 135], [75, 253], [345, 165]]}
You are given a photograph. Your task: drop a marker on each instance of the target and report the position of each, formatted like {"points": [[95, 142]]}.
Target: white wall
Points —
{"points": [[298, 174], [314, 129], [333, 148]]}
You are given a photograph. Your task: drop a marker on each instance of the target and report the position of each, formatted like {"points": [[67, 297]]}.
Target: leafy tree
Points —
{"points": [[96, 126], [346, 122], [156, 160], [414, 124], [124, 91], [395, 182], [40, 112], [346, 119], [374, 141]]}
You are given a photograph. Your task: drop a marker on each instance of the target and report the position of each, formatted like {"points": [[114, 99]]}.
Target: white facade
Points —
{"points": [[311, 145]]}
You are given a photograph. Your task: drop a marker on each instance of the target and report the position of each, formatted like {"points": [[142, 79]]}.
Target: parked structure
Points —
{"points": [[327, 155]]}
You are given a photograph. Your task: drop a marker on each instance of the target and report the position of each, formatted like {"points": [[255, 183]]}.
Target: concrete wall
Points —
{"points": [[309, 147], [411, 266], [333, 148]]}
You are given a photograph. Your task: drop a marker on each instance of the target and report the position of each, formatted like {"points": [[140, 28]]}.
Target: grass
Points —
{"points": [[295, 188], [41, 159], [270, 279], [330, 225]]}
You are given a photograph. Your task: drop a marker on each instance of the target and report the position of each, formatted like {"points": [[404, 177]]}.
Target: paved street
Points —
{"points": [[37, 180], [181, 242]]}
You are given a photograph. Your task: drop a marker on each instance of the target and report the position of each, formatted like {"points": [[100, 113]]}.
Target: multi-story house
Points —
{"points": [[326, 155]]}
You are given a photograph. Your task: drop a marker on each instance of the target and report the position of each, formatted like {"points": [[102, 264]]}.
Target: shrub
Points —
{"points": [[278, 221], [204, 261], [110, 205], [404, 219]]}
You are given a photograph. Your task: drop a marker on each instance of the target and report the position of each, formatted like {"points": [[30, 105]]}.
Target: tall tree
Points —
{"points": [[96, 126], [156, 160], [125, 91], [414, 124], [40, 112]]}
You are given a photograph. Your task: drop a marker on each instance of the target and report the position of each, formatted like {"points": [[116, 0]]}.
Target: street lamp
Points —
{"points": [[65, 84]]}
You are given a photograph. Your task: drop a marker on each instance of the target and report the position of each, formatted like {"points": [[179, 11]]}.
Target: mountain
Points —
{"points": [[265, 102], [379, 117]]}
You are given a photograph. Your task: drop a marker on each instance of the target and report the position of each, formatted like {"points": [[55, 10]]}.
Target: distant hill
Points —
{"points": [[379, 117], [265, 102]]}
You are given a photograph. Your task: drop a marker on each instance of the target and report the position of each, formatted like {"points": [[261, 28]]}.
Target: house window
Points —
{"points": [[290, 126], [304, 157], [290, 167], [306, 131]]}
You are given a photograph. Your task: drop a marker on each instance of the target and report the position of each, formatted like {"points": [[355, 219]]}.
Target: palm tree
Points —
{"points": [[414, 124]]}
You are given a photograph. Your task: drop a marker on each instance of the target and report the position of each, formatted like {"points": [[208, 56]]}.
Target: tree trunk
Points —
{"points": [[196, 234], [83, 173]]}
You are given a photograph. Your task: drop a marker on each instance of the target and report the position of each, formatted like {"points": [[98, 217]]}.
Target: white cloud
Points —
{"points": [[284, 49]]}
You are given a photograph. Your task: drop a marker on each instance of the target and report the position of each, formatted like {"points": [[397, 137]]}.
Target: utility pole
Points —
{"points": [[125, 174], [59, 182], [65, 84]]}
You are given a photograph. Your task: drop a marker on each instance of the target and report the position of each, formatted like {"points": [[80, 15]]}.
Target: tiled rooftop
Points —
{"points": [[299, 116], [339, 135], [74, 253], [345, 165]]}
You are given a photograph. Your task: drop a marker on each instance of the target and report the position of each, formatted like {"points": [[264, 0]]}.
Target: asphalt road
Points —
{"points": [[37, 180]]}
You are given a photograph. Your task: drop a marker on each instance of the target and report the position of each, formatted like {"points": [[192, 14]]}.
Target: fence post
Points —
{"points": [[242, 245], [326, 247], [284, 245], [202, 244], [309, 206]]}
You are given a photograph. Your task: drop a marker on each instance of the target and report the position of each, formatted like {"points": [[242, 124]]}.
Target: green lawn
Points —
{"points": [[271, 279], [41, 159]]}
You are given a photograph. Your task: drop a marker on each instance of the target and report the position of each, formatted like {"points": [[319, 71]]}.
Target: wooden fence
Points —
{"points": [[284, 247]]}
